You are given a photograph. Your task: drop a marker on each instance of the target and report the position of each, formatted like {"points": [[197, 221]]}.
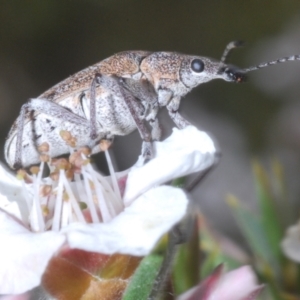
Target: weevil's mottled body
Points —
{"points": [[147, 80]]}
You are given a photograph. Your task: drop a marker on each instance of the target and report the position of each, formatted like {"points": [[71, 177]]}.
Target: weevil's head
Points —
{"points": [[233, 74], [196, 70]]}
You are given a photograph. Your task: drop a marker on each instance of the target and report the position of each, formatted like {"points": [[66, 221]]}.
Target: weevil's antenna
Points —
{"points": [[229, 47], [273, 62]]}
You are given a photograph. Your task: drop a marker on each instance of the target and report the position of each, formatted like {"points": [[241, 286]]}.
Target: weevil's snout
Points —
{"points": [[233, 74]]}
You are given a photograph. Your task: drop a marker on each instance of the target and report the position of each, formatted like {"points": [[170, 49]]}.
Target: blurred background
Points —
{"points": [[43, 42]]}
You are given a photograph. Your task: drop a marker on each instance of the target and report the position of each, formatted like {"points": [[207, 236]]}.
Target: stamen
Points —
{"points": [[27, 198], [73, 200], [36, 215], [51, 208], [66, 214], [58, 204], [25, 178], [90, 202], [54, 204], [104, 205], [79, 185], [106, 208], [115, 202], [112, 175]]}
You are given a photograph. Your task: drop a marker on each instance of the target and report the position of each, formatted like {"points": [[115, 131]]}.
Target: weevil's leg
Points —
{"points": [[164, 97], [156, 129], [55, 110], [154, 123], [93, 129], [145, 92], [142, 90], [115, 85], [47, 107], [172, 108], [20, 126], [147, 150]]}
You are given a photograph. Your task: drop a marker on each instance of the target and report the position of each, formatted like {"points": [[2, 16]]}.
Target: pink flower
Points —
{"points": [[52, 218], [239, 284]]}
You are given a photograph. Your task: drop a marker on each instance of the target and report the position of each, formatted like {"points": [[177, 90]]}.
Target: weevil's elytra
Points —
{"points": [[123, 64], [114, 97]]}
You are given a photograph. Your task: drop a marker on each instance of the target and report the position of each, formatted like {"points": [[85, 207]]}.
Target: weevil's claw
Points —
{"points": [[17, 166], [147, 151]]}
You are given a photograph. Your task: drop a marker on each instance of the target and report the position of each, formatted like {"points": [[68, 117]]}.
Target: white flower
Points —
{"points": [[291, 243], [35, 223]]}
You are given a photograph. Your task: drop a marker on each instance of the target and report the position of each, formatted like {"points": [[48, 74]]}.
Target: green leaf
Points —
{"points": [[179, 182], [187, 262], [142, 281], [254, 233], [211, 246], [280, 183], [269, 218], [284, 206]]}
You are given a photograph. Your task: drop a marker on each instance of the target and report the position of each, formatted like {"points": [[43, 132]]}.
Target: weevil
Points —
{"points": [[114, 97]]}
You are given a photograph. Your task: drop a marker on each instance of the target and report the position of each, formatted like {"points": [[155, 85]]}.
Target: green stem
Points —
{"points": [[166, 265]]}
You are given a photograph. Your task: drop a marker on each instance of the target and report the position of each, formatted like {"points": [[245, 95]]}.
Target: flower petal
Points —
{"points": [[186, 151], [10, 186], [12, 190], [291, 243], [10, 207], [237, 284], [23, 255], [25, 296], [204, 289], [136, 230]]}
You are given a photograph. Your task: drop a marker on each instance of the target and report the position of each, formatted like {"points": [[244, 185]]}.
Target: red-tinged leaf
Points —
{"points": [[203, 291], [105, 290], [64, 280], [77, 274], [120, 266], [89, 261]]}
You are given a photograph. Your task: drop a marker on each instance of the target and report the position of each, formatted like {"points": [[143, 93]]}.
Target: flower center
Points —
{"points": [[74, 192]]}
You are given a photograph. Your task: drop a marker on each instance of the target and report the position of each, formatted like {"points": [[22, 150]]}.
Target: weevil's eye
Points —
{"points": [[197, 65]]}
